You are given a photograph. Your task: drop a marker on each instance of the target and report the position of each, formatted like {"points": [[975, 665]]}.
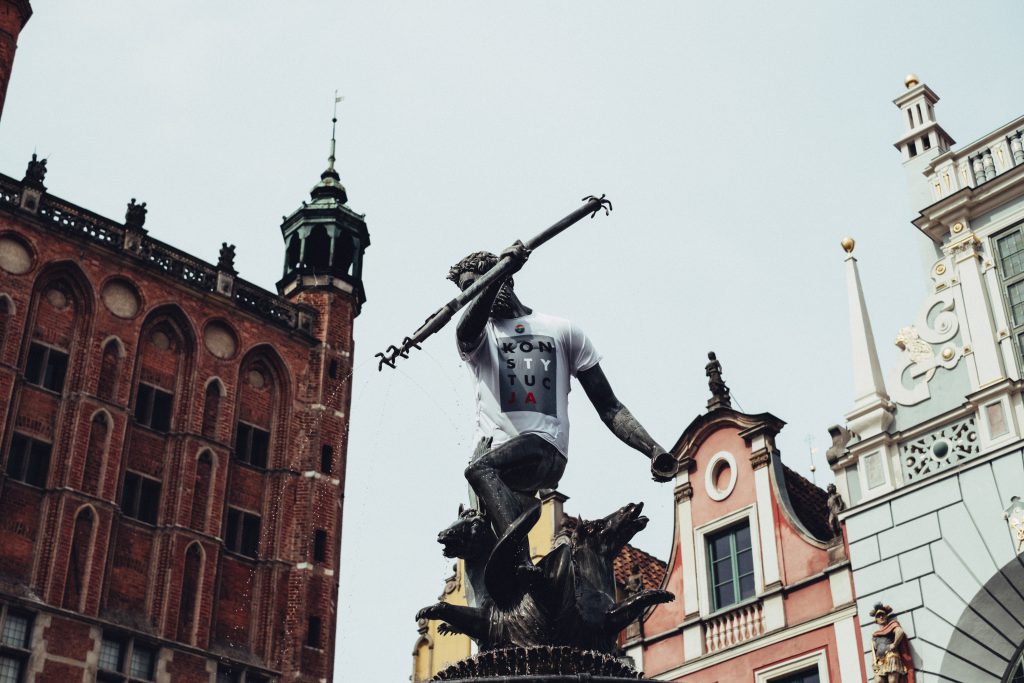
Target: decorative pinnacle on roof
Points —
{"points": [[330, 186], [719, 392]]}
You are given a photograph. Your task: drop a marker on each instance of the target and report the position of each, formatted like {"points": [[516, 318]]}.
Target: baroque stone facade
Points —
{"points": [[929, 459]]}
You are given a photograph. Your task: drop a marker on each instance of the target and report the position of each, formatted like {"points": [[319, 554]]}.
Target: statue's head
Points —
{"points": [[468, 536], [465, 272], [881, 613], [830, 489]]}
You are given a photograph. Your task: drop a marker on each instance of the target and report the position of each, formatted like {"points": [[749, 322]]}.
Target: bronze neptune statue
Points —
{"points": [[522, 361]]}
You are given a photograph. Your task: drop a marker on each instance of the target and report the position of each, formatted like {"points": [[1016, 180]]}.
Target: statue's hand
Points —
{"points": [[663, 467], [432, 612], [518, 252]]}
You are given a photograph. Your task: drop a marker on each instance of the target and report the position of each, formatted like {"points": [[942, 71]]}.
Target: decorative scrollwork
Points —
{"points": [[919, 358]]}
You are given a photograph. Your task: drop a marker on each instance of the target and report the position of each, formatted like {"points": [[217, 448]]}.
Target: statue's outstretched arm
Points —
{"points": [[622, 423]]}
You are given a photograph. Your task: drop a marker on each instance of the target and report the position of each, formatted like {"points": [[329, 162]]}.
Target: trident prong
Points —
{"points": [[602, 204]]}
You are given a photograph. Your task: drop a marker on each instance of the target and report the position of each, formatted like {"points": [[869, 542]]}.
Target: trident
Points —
{"points": [[500, 271]]}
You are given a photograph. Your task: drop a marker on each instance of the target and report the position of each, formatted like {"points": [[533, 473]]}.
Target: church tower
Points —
{"points": [[923, 139], [14, 14], [324, 245]]}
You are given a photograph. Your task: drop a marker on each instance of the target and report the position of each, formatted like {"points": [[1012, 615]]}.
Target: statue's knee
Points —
{"points": [[473, 472]]}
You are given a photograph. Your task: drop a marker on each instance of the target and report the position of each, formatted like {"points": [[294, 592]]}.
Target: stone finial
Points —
{"points": [[35, 173], [719, 392], [226, 260], [135, 216]]}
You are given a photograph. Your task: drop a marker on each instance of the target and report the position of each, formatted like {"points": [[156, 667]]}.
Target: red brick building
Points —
{"points": [[172, 455]]}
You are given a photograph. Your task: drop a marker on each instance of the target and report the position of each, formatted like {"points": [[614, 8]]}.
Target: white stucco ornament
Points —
{"points": [[908, 383], [719, 462]]}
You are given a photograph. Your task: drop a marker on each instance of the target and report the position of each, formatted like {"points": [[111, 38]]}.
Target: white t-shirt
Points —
{"points": [[522, 368]]}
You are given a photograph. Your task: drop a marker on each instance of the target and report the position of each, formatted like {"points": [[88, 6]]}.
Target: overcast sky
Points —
{"points": [[739, 143]]}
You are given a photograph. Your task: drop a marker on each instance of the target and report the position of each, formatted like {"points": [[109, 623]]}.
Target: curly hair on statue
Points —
{"points": [[477, 262]]}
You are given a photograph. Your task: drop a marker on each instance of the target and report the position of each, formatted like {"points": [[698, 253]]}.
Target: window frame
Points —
{"points": [[775, 673], [246, 455], [736, 577], [26, 458], [239, 674], [148, 407], [42, 374], [237, 530], [20, 654], [700, 534], [126, 657], [320, 543], [1016, 331], [135, 511]]}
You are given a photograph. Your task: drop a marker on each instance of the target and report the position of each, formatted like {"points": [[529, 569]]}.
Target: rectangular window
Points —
{"points": [[153, 408], [15, 640], [806, 676], [125, 660], [28, 460], [243, 532], [1010, 260], [732, 566], [140, 498], [313, 633], [46, 367], [228, 674], [252, 444], [320, 546]]}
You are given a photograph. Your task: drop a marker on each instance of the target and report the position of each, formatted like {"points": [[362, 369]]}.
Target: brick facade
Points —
{"points": [[172, 451]]}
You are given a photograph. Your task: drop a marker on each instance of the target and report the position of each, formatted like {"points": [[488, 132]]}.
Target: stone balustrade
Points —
{"points": [[731, 628]]}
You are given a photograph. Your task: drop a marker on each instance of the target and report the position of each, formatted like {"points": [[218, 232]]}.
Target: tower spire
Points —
{"points": [[872, 411], [334, 128]]}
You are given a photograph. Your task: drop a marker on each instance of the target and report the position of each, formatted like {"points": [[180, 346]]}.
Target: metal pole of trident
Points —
{"points": [[500, 271]]}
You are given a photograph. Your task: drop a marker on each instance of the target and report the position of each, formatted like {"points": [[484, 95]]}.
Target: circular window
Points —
{"points": [[720, 475], [220, 340], [15, 256], [121, 299]]}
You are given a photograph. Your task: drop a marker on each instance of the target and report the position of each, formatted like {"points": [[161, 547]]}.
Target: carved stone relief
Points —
{"points": [[926, 346], [940, 450]]}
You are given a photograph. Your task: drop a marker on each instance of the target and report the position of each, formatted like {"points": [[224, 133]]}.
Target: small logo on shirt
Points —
{"points": [[520, 328]]}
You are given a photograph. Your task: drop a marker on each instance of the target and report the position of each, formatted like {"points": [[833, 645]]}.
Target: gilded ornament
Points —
{"points": [[911, 80], [848, 244], [958, 227], [940, 269], [947, 353]]}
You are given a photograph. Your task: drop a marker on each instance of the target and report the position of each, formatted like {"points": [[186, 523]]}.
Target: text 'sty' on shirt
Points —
{"points": [[522, 368]]}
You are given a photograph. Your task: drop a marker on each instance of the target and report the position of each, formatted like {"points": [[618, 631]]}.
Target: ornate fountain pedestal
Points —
{"points": [[546, 623], [540, 664]]}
